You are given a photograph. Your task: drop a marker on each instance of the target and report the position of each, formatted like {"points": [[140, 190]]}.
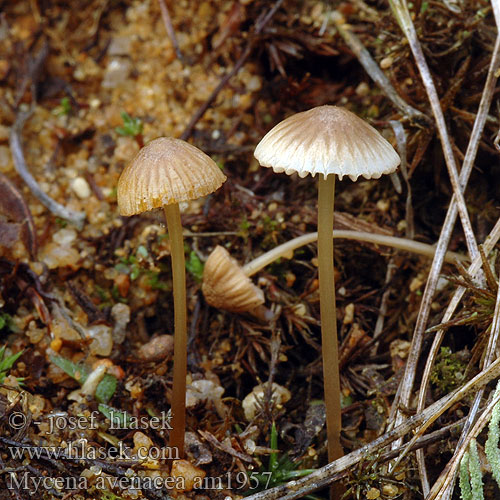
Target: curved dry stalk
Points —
{"points": [[16, 148], [286, 249], [329, 473]]}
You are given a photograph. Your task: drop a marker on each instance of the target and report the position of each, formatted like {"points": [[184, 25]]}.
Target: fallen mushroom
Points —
{"points": [[226, 284], [327, 140], [165, 172]]}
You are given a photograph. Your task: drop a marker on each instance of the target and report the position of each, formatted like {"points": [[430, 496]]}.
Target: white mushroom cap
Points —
{"points": [[327, 140], [166, 171]]}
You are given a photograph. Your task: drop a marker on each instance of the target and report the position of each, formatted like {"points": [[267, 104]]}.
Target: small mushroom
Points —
{"points": [[226, 286], [327, 140], [165, 172]]}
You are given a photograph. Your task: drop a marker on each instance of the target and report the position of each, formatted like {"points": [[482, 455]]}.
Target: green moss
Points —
{"points": [[448, 371]]}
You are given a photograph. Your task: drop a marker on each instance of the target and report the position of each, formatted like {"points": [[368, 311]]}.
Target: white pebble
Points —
{"points": [[81, 188], [102, 345]]}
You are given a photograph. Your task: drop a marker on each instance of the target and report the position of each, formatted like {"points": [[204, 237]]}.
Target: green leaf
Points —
{"points": [[195, 266], [118, 418], [106, 388], [131, 126], [7, 363], [74, 370]]}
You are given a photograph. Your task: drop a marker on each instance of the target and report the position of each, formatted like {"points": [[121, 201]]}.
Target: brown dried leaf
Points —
{"points": [[14, 209]]}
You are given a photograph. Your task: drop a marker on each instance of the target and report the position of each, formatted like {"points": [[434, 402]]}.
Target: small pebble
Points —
{"points": [[102, 345], [81, 188], [190, 473], [252, 401], [386, 62], [157, 348]]}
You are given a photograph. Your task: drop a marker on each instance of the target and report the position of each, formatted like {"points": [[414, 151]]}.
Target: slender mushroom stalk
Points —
{"points": [[328, 314], [286, 249], [327, 140], [163, 173], [178, 407], [226, 284]]}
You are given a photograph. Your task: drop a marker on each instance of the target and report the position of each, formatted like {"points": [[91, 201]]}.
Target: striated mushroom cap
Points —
{"points": [[327, 140], [166, 171], [226, 286]]}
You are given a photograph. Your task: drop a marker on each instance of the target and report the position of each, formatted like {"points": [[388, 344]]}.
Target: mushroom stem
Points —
{"points": [[178, 405], [329, 348], [286, 249]]}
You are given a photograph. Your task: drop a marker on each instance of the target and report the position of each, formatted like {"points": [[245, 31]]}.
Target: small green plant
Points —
{"points": [[64, 107], [470, 478], [194, 266], [133, 266], [7, 363], [6, 322], [132, 127], [106, 387], [279, 470]]}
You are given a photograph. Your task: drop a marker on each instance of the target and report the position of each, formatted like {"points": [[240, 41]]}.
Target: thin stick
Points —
{"points": [[259, 26], [329, 347], [167, 21], [286, 249], [329, 473], [173, 216], [57, 209], [375, 73]]}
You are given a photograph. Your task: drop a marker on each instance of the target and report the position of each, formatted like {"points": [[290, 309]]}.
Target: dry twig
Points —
{"points": [[57, 209], [261, 22]]}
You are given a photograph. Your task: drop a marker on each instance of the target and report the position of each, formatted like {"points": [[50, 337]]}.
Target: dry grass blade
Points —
{"points": [[490, 242], [376, 74], [401, 141], [423, 315], [402, 14], [329, 473]]}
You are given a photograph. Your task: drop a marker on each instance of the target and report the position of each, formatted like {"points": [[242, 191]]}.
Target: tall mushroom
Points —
{"points": [[327, 140], [163, 173]]}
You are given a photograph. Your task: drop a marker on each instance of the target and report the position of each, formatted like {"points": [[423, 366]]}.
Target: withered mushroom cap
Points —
{"points": [[327, 140], [166, 171], [226, 286]]}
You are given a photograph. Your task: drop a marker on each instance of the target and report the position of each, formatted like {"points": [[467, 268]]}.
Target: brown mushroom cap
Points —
{"points": [[226, 286], [166, 171], [327, 140]]}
